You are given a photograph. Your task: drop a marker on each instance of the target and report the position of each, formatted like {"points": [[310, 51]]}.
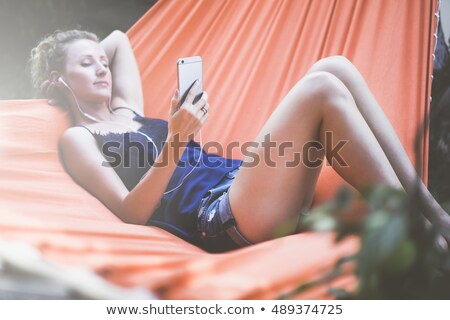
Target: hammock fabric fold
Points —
{"points": [[253, 53]]}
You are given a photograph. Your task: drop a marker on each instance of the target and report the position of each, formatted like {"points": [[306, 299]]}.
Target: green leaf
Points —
{"points": [[340, 293], [321, 222], [401, 259], [382, 238], [376, 220]]}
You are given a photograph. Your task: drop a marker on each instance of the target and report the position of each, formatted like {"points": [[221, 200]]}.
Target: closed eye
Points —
{"points": [[88, 64]]}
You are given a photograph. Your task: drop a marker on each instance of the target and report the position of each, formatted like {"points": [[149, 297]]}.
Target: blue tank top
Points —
{"points": [[132, 155]]}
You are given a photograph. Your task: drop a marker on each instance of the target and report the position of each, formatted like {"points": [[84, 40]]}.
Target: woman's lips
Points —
{"points": [[102, 83]]}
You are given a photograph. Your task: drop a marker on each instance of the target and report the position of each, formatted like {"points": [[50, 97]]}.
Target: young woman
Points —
{"points": [[229, 204]]}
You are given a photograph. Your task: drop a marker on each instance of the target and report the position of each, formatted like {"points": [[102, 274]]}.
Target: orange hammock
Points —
{"points": [[253, 53]]}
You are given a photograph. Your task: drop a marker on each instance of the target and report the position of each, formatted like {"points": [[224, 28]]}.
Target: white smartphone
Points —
{"points": [[189, 69]]}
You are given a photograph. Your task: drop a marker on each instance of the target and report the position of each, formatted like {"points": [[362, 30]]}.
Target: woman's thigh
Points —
{"points": [[278, 178]]}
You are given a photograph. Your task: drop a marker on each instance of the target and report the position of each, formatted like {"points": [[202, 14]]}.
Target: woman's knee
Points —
{"points": [[323, 88], [333, 64]]}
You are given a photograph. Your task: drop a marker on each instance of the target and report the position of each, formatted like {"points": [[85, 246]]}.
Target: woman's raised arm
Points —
{"points": [[126, 80]]}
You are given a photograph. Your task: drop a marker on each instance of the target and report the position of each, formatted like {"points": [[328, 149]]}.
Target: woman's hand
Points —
{"points": [[188, 119]]}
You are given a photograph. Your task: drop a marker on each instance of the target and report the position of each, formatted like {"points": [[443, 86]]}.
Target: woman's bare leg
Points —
{"points": [[343, 69], [265, 195]]}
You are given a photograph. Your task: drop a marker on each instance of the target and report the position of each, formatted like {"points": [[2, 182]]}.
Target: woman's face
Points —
{"points": [[87, 71]]}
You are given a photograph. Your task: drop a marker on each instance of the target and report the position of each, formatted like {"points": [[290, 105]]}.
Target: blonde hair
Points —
{"points": [[50, 55]]}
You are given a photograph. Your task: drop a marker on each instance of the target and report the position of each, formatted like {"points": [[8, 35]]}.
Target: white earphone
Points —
{"points": [[61, 80]]}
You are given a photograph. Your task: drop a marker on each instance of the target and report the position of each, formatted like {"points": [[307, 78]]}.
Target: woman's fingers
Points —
{"points": [[189, 118], [174, 102], [202, 105], [205, 114], [192, 93], [202, 111]]}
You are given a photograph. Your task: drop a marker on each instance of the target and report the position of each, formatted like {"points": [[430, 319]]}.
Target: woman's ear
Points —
{"points": [[51, 86], [54, 76]]}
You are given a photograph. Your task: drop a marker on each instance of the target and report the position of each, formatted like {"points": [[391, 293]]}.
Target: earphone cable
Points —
{"points": [[146, 136]]}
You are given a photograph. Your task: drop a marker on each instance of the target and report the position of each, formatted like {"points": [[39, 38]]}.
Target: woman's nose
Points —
{"points": [[102, 69]]}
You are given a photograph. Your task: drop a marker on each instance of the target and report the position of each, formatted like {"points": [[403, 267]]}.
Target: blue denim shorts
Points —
{"points": [[216, 226]]}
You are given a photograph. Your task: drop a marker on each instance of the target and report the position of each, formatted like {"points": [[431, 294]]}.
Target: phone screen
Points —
{"points": [[189, 69]]}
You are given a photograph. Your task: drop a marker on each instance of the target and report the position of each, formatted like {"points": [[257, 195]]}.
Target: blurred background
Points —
{"points": [[24, 22]]}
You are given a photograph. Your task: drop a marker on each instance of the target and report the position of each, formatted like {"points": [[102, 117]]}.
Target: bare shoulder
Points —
{"points": [[75, 138], [73, 132], [77, 146]]}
